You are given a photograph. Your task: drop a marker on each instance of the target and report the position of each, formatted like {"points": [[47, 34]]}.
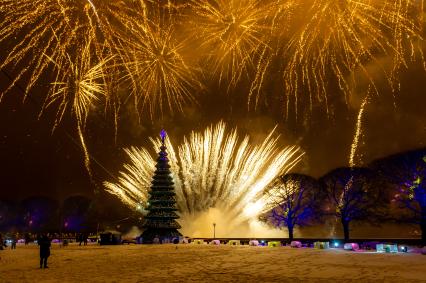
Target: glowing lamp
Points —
{"points": [[336, 244]]}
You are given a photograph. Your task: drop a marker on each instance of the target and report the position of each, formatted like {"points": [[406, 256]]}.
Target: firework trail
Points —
{"points": [[354, 147], [358, 134], [213, 169]]}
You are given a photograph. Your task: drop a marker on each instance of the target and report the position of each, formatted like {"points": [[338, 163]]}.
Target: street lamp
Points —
{"points": [[214, 230]]}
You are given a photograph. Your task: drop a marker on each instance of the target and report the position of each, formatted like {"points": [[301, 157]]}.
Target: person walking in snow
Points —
{"points": [[44, 243]]}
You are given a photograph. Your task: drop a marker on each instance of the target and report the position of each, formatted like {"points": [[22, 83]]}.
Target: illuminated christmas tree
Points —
{"points": [[160, 222]]}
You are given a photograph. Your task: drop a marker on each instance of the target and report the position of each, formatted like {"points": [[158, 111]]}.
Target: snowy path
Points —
{"points": [[197, 263]]}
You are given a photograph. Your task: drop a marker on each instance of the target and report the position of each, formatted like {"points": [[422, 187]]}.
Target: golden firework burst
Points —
{"points": [[213, 168]]}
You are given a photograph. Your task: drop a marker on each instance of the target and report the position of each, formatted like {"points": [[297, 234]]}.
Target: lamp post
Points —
{"points": [[214, 230]]}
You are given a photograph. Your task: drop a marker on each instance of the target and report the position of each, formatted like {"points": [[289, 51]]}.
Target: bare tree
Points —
{"points": [[293, 200], [407, 172], [351, 195]]}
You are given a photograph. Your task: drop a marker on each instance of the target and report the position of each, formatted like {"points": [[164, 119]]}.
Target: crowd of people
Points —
{"points": [[43, 240], [12, 240]]}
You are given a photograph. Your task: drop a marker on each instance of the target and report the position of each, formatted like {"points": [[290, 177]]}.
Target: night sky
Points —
{"points": [[37, 161]]}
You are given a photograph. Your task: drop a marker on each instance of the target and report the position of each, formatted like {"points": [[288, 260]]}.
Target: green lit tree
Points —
{"points": [[160, 222]]}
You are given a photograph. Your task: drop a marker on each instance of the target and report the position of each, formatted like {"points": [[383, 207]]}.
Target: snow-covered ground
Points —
{"points": [[205, 263]]}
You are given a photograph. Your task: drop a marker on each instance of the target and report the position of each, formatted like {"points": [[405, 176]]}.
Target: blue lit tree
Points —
{"points": [[75, 211], [407, 171], [351, 195], [40, 214], [294, 200]]}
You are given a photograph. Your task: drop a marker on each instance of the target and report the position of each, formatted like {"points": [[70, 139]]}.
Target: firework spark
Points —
{"points": [[213, 169]]}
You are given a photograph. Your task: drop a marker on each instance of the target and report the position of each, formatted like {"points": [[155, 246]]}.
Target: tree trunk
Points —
{"points": [[345, 230], [290, 233]]}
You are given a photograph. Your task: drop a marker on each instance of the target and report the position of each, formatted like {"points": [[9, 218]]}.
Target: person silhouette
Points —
{"points": [[14, 240], [44, 243], [2, 243]]}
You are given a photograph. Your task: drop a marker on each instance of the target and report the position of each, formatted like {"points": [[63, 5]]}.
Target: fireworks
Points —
{"points": [[153, 60], [64, 42], [317, 46], [340, 38], [235, 33], [213, 169], [42, 29], [79, 84]]}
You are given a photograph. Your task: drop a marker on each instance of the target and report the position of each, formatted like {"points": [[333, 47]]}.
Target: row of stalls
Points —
{"points": [[379, 247], [115, 238]]}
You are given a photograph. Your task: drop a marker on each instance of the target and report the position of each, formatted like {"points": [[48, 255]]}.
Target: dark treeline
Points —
{"points": [[388, 189], [74, 214]]}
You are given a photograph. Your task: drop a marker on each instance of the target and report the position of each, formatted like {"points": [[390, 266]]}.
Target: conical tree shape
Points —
{"points": [[160, 221]]}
